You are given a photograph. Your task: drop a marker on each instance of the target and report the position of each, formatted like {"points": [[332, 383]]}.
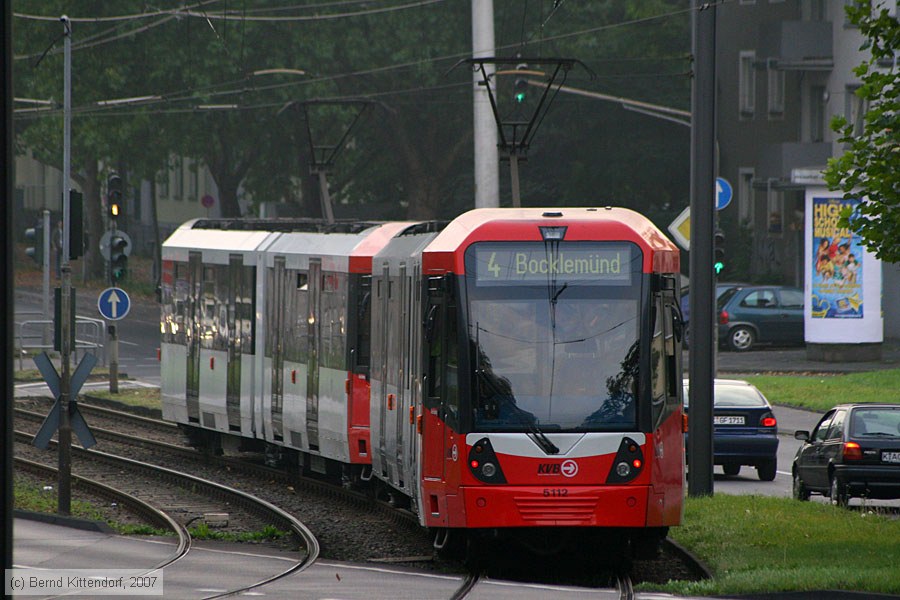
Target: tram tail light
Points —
{"points": [[212, 363], [294, 376], [419, 424], [412, 414], [390, 401], [684, 423]]}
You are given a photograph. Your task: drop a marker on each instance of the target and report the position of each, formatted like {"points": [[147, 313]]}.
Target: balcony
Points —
{"points": [[798, 45], [779, 160]]}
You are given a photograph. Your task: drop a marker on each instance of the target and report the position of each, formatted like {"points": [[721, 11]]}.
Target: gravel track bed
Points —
{"points": [[347, 531], [183, 505]]}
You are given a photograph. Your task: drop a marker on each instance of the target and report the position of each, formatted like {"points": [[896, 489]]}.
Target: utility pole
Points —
{"points": [[65, 325], [702, 358], [487, 179]]}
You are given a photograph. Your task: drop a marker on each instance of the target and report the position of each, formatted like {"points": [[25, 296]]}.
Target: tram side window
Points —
{"points": [[246, 305], [435, 357], [658, 362], [174, 301], [296, 311], [364, 323], [451, 338], [334, 319]]}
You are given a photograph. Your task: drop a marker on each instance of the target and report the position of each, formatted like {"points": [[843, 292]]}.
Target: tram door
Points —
{"points": [[275, 344], [194, 310], [236, 330], [436, 326], [314, 346]]}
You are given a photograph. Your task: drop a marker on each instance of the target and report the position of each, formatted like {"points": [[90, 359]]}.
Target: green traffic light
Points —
{"points": [[520, 97], [719, 266]]}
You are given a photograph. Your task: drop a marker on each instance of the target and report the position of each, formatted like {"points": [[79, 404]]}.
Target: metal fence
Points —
{"points": [[35, 335]]}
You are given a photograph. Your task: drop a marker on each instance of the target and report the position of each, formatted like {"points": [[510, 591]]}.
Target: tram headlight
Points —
{"points": [[627, 464], [483, 462]]}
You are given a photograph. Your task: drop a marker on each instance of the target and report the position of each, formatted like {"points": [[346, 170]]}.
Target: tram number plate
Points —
{"points": [[728, 420], [890, 457]]}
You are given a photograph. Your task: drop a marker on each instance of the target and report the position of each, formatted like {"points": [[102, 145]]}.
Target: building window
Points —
{"points": [[776, 91], [817, 113], [855, 110], [745, 195], [775, 211], [747, 83]]}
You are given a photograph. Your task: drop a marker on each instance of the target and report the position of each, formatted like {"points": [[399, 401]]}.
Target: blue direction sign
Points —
{"points": [[723, 193], [113, 304]]}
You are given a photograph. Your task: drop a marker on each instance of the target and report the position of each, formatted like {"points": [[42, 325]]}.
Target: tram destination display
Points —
{"points": [[572, 263]]}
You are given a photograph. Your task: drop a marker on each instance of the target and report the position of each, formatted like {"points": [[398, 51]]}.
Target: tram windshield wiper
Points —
{"points": [[534, 432]]}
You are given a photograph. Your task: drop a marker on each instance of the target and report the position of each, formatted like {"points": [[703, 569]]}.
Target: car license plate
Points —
{"points": [[890, 457], [728, 420]]}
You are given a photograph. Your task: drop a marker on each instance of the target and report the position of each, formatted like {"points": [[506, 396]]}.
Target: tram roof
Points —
{"points": [[620, 223]]}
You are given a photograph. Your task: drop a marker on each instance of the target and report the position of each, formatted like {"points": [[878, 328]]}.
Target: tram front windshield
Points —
{"points": [[553, 331]]}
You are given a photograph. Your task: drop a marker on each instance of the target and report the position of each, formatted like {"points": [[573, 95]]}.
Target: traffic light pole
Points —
{"points": [[113, 339], [45, 267], [65, 326]]}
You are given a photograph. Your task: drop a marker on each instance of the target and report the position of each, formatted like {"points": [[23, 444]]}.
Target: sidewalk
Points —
{"points": [[794, 360]]}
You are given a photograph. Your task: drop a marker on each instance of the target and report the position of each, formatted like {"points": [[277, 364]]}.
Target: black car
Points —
{"points": [[854, 451], [745, 431], [760, 314]]}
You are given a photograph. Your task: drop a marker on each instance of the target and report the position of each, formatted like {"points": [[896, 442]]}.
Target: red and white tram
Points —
{"points": [[513, 371]]}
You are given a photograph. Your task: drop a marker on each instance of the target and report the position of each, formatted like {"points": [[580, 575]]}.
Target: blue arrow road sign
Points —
{"points": [[77, 422], [113, 304], [723, 193]]}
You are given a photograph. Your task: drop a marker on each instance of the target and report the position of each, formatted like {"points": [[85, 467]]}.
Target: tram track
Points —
{"points": [[264, 511], [162, 439]]}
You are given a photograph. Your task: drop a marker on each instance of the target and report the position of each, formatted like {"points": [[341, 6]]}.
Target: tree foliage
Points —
{"points": [[410, 155], [870, 167]]}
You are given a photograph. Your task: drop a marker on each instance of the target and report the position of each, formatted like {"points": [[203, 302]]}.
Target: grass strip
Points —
{"points": [[760, 544], [821, 392]]}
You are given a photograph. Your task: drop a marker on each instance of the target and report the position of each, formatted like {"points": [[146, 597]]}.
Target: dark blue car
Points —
{"points": [[745, 431], [760, 314]]}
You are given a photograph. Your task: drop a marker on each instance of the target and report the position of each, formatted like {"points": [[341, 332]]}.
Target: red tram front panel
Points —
{"points": [[509, 281]]}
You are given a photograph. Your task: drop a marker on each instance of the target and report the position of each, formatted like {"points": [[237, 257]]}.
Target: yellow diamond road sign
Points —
{"points": [[680, 228]]}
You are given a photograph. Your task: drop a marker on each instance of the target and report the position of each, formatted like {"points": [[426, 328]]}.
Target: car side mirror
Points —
{"points": [[802, 435]]}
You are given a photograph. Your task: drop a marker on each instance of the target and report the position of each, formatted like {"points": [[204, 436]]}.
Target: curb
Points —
{"points": [[698, 567], [63, 521]]}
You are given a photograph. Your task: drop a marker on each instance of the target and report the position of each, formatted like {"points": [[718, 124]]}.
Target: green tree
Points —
{"points": [[870, 167]]}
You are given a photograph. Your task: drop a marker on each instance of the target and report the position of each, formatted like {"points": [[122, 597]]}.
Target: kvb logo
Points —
{"points": [[568, 468]]}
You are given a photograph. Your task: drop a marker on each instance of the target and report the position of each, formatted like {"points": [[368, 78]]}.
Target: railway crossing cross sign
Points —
{"points": [[51, 423], [113, 304]]}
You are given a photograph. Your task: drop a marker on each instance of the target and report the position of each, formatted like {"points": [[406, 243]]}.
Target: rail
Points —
{"points": [[35, 334]]}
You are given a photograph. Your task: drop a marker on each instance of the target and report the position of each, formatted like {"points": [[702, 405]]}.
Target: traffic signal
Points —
{"points": [[34, 236], [520, 87], [118, 258], [719, 250], [114, 196]]}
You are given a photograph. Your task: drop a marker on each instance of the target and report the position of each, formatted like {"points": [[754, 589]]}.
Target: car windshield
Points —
{"points": [[881, 422], [733, 396]]}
